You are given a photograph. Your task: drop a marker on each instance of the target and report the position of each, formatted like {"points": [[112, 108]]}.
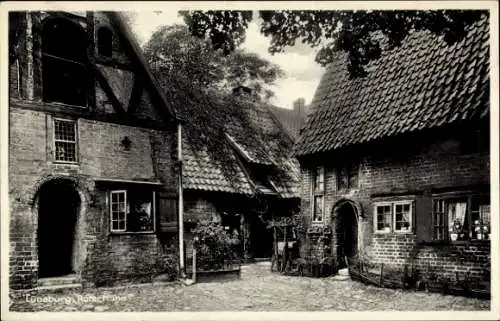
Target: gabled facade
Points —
{"points": [[91, 151], [397, 163]]}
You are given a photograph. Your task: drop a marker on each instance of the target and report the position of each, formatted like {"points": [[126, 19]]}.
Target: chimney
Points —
{"points": [[242, 90], [299, 105]]}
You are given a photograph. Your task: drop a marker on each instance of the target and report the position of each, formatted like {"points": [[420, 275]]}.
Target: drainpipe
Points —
{"points": [[181, 202]]}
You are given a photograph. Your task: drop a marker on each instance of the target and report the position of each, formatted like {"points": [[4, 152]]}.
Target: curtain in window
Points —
{"points": [[456, 213], [484, 213]]}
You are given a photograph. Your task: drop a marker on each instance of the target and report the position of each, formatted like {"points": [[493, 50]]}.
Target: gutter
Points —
{"points": [[182, 258]]}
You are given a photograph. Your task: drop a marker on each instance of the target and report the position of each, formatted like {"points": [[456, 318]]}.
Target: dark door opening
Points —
{"points": [[58, 208], [261, 238], [346, 233]]}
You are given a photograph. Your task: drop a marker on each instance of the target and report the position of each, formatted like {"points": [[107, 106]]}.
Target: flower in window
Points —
{"points": [[457, 227]]}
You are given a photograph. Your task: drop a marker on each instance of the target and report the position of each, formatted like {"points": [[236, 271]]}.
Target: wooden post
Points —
{"points": [[181, 203], [381, 274], [275, 236], [194, 263], [285, 248]]}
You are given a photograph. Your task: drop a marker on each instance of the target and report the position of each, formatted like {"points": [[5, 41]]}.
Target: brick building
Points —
{"points": [[397, 163], [265, 182], [91, 151]]}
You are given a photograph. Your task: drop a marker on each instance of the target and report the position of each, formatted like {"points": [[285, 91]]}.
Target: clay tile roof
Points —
{"points": [[201, 172], [291, 120], [423, 84]]}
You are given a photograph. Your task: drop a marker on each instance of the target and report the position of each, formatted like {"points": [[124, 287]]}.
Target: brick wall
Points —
{"points": [[444, 259], [101, 156], [405, 169]]}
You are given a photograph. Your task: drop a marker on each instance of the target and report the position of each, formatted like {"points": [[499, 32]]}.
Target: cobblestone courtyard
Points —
{"points": [[257, 290]]}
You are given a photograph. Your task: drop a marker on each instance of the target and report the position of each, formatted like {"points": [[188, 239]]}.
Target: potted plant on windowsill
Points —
{"points": [[480, 230], [387, 228], [456, 230]]}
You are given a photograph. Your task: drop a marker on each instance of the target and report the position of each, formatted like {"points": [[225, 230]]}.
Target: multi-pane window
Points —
{"points": [[461, 218], [65, 143], [132, 210], [118, 211], [347, 177], [383, 218], [402, 217], [393, 217], [318, 190]]}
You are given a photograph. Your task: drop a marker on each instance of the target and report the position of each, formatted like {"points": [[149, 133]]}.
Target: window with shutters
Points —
{"points": [[393, 217], [132, 210], [459, 218], [318, 193], [167, 212]]}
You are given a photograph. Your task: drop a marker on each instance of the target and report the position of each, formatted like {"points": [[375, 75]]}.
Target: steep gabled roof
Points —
{"points": [[251, 157], [167, 110], [421, 85]]}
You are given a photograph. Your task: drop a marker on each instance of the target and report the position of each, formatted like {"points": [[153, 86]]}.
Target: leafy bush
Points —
{"points": [[215, 247]]}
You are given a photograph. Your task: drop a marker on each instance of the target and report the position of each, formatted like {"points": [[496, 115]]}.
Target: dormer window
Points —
{"points": [[64, 58], [105, 42]]}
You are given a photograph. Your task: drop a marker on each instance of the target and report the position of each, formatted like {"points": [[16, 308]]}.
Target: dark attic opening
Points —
{"points": [[105, 42], [64, 62]]}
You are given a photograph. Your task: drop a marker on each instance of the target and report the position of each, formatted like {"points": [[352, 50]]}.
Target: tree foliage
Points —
{"points": [[353, 32], [200, 79], [176, 51]]}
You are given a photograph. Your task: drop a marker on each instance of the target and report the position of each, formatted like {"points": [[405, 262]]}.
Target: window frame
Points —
{"points": [[393, 204], [54, 140], [411, 227], [124, 192], [318, 192], [127, 210], [468, 198], [347, 169]]}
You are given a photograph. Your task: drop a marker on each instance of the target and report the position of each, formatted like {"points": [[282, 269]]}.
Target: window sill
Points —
{"points": [[133, 233], [450, 242], [392, 233], [66, 163]]}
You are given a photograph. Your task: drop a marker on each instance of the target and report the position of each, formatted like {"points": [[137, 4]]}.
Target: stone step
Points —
{"points": [[56, 281], [58, 287], [343, 272]]}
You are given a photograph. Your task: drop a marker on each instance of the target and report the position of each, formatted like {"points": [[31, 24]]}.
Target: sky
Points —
{"points": [[302, 73]]}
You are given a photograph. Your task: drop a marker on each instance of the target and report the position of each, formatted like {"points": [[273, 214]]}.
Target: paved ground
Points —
{"points": [[257, 290]]}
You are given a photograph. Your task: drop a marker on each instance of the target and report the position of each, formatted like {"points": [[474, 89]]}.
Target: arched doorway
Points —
{"points": [[346, 231], [58, 208]]}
